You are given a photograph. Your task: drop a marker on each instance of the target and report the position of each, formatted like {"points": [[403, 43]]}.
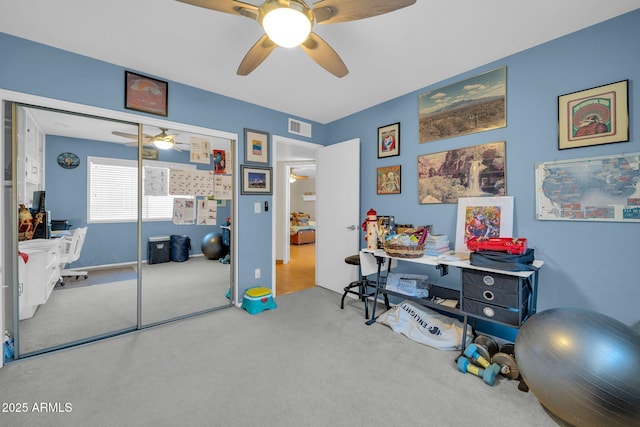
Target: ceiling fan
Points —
{"points": [[289, 23], [293, 177], [163, 140]]}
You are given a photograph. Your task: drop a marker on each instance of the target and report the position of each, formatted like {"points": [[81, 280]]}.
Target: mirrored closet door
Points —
{"points": [[120, 226], [185, 243], [69, 167]]}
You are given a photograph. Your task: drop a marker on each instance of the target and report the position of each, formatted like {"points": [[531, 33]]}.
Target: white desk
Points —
{"points": [[480, 290], [38, 276]]}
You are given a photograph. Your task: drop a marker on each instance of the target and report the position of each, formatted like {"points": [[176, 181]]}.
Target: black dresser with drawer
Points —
{"points": [[497, 297]]}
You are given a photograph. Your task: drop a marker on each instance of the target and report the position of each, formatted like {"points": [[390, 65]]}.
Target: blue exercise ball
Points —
{"points": [[581, 365], [213, 246]]}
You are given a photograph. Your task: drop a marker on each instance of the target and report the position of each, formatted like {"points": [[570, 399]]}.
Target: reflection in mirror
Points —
{"points": [[77, 181], [186, 240]]}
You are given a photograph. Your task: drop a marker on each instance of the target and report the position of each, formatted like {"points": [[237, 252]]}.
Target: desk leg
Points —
{"points": [[375, 297], [464, 334]]}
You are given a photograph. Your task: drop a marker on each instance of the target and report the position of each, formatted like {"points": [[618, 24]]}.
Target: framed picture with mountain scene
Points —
{"points": [[476, 171], [473, 105], [256, 180]]}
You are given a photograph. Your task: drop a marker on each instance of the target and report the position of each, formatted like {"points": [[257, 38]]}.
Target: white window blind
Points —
{"points": [[113, 191]]}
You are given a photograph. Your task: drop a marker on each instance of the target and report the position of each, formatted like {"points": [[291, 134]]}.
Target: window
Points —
{"points": [[113, 191]]}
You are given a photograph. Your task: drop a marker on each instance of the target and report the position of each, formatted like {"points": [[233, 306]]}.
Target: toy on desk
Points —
{"points": [[509, 245], [370, 226]]}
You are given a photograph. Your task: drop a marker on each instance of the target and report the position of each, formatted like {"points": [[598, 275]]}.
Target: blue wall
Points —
{"points": [[41, 70], [592, 265]]}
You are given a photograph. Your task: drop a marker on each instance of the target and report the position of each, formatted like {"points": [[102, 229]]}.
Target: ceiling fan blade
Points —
{"points": [[256, 55], [124, 134], [227, 6], [333, 11], [324, 55], [135, 144], [146, 138]]}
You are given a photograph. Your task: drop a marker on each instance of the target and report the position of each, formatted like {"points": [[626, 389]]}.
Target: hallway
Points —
{"points": [[299, 273]]}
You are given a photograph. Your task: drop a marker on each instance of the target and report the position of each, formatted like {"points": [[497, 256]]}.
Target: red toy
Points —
{"points": [[503, 244]]}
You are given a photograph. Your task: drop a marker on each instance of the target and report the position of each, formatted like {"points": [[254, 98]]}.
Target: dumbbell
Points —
{"points": [[506, 359], [473, 353], [488, 374], [487, 346]]}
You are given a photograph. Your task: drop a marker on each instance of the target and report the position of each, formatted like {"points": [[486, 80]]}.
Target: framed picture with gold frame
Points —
{"points": [[595, 116], [388, 180]]}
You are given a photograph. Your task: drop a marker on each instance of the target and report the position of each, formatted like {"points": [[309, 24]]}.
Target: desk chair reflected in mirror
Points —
{"points": [[362, 287], [71, 248]]}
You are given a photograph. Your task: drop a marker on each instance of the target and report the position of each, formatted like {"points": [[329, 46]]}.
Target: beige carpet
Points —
{"points": [[306, 363], [169, 290]]}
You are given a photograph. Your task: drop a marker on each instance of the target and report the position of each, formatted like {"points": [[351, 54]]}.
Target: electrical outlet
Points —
{"points": [[256, 207], [257, 273]]}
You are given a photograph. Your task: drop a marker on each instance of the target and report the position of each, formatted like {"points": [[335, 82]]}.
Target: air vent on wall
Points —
{"points": [[300, 128]]}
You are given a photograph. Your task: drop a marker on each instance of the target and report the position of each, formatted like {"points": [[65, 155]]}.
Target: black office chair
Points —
{"points": [[362, 287]]}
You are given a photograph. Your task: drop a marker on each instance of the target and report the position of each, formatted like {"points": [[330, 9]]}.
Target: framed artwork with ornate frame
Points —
{"points": [[388, 180], [389, 140], [256, 147], [595, 116]]}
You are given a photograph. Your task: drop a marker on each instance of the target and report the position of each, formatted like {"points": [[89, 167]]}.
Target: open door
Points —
{"points": [[337, 211]]}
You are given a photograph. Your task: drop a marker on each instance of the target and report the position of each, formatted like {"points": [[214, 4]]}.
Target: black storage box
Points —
{"points": [[60, 224], [159, 249]]}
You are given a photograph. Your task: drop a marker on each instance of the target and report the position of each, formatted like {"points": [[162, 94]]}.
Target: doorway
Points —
{"points": [[294, 225]]}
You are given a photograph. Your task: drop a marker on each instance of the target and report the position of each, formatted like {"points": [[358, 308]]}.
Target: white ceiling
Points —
{"points": [[388, 55]]}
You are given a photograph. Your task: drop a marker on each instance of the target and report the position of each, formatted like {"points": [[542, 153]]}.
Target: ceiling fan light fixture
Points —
{"points": [[287, 23], [162, 144]]}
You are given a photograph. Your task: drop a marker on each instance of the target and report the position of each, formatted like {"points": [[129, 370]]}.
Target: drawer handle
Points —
{"points": [[488, 311], [488, 295], [488, 280]]}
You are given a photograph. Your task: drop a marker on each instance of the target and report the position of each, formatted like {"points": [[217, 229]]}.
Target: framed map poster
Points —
{"points": [[605, 188]]}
